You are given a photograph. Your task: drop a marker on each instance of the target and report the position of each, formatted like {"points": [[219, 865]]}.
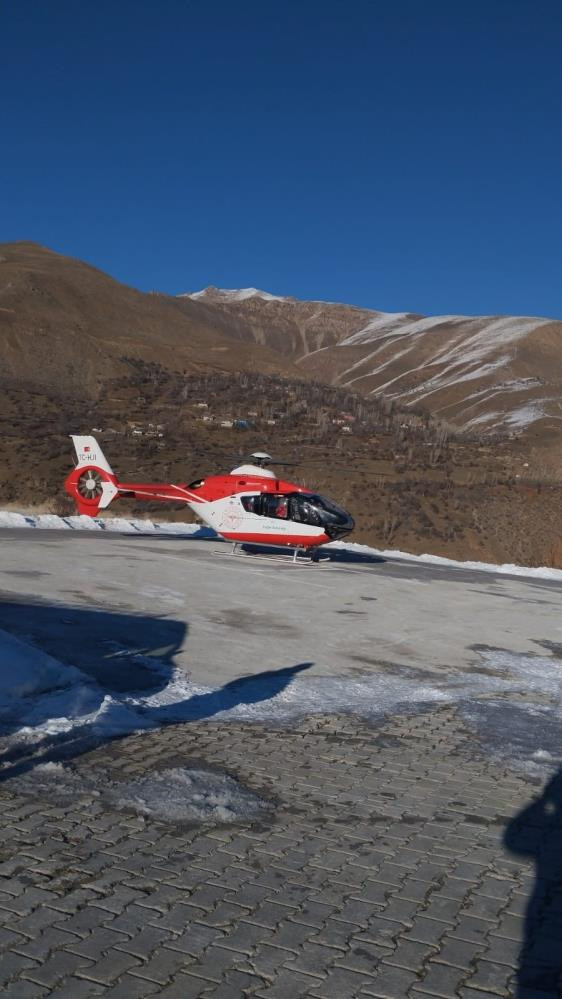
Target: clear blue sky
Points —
{"points": [[402, 155]]}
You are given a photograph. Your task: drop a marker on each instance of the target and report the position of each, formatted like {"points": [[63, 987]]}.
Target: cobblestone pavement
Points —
{"points": [[381, 872]]}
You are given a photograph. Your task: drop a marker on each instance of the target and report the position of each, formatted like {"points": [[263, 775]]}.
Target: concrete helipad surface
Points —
{"points": [[236, 616]]}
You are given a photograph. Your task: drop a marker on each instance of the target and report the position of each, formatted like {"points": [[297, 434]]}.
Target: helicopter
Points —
{"points": [[249, 505]]}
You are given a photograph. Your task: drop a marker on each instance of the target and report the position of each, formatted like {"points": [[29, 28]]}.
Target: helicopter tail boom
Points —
{"points": [[94, 485]]}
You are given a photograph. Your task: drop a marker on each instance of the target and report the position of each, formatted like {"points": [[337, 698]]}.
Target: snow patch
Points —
{"points": [[493, 329], [234, 294], [183, 795], [526, 415], [178, 794], [48, 521], [506, 569], [384, 323], [455, 349], [514, 702], [26, 672]]}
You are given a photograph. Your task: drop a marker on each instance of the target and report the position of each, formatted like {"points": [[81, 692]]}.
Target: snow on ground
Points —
{"points": [[474, 348], [38, 692], [43, 696], [122, 525], [382, 324], [506, 569], [184, 795], [514, 701], [179, 794], [527, 414], [27, 672], [493, 330]]}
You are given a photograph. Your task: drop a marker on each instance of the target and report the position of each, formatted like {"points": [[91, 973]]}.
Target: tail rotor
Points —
{"points": [[92, 484]]}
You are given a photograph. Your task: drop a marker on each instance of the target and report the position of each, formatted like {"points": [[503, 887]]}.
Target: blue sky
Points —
{"points": [[400, 156]]}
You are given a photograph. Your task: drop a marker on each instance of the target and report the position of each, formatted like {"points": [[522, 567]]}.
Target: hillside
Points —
{"points": [[81, 351], [485, 373], [66, 326], [407, 483]]}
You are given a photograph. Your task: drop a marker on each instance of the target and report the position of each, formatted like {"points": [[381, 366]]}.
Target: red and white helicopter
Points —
{"points": [[250, 504]]}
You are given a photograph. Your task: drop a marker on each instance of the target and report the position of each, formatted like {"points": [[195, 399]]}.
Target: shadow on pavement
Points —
{"points": [[200, 534], [119, 650], [124, 658], [536, 833], [326, 554], [244, 690], [354, 558], [207, 534]]}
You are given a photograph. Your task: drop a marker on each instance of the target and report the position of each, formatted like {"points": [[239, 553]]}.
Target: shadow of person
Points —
{"points": [[64, 746], [244, 690], [536, 833]]}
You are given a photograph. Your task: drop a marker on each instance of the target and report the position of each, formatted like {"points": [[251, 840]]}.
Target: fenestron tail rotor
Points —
{"points": [[90, 484]]}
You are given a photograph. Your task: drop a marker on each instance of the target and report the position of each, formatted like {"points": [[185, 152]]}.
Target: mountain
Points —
{"points": [[485, 373], [167, 381], [66, 326]]}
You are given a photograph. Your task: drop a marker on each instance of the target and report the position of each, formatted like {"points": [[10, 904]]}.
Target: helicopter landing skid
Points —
{"points": [[310, 557]]}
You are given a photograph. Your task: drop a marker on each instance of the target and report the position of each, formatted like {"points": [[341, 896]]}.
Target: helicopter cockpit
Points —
{"points": [[304, 508]]}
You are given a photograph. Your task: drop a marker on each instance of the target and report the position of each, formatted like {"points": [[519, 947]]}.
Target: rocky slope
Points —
{"points": [[66, 326], [490, 373]]}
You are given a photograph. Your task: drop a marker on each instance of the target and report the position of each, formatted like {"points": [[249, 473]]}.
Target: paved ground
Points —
{"points": [[381, 873], [346, 617], [399, 860]]}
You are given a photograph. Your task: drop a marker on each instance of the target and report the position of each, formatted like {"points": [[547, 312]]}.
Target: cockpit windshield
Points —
{"points": [[304, 508]]}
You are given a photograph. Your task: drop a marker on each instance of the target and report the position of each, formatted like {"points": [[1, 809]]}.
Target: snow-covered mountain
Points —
{"points": [[485, 372], [212, 294]]}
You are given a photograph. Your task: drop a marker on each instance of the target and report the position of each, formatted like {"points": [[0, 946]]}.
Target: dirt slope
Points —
{"points": [[65, 325], [491, 373]]}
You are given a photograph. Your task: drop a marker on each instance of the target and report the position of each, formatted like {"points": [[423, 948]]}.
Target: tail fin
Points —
{"points": [[88, 452], [92, 483]]}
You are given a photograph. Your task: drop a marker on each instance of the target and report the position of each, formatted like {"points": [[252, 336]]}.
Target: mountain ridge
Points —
{"points": [[67, 325], [494, 373]]}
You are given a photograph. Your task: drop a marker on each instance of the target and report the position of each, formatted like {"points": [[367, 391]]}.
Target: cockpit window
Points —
{"points": [[267, 505], [325, 504], [303, 508], [251, 503]]}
